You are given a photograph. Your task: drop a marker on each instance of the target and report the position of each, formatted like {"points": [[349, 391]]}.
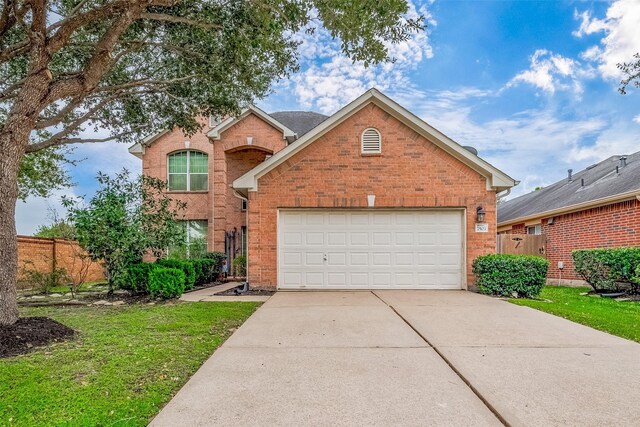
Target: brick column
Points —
{"points": [[219, 195]]}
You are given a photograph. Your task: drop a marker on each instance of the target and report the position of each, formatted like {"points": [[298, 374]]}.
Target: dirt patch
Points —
{"points": [[30, 332], [261, 292]]}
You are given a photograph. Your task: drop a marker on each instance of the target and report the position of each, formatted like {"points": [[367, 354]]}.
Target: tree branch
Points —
{"points": [[66, 141], [179, 20]]}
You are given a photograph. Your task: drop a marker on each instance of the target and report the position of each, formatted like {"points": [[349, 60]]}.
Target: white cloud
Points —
{"points": [[637, 119], [328, 80], [533, 146], [615, 140], [621, 27], [550, 72]]}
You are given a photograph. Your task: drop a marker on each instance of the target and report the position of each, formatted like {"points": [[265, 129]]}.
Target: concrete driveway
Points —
{"points": [[410, 358]]}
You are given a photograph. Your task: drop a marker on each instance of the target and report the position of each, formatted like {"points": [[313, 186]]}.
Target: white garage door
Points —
{"points": [[370, 249]]}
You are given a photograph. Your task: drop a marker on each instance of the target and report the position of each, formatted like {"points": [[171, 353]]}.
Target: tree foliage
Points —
{"points": [[58, 227], [632, 72], [98, 70], [124, 219], [126, 68], [43, 171]]}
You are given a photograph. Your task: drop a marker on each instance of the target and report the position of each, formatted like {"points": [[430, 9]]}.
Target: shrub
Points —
{"points": [[240, 265], [166, 282], [501, 274], [186, 266], [218, 259], [44, 281], [137, 278], [606, 269]]}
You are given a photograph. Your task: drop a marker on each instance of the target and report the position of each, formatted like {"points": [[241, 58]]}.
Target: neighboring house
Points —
{"points": [[594, 208], [370, 197]]}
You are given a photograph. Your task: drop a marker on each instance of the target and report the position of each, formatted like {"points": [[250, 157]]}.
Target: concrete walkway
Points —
{"points": [[208, 294], [410, 358]]}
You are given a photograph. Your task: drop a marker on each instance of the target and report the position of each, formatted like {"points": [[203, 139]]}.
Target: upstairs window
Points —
{"points": [[188, 171], [371, 142]]}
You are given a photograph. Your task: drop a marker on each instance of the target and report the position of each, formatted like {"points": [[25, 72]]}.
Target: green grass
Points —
{"points": [[621, 318], [125, 365]]}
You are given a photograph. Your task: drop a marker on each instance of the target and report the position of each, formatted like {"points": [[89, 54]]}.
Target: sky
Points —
{"points": [[532, 85]]}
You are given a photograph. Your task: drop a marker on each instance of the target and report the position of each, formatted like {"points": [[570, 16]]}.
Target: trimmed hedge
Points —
{"points": [[137, 278], [186, 266], [502, 274], [166, 282], [606, 269], [218, 259]]}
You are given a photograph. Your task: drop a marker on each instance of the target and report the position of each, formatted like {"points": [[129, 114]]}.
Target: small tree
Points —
{"points": [[124, 219], [59, 228], [79, 269]]}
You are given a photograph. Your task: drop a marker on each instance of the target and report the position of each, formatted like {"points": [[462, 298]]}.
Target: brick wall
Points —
{"points": [[411, 172], [154, 163], [233, 158], [603, 227], [229, 158], [42, 254]]}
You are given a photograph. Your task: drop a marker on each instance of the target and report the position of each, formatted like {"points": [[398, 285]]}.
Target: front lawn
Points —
{"points": [[126, 363], [621, 318]]}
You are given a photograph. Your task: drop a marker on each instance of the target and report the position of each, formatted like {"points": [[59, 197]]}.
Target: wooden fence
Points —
{"points": [[522, 244], [45, 255]]}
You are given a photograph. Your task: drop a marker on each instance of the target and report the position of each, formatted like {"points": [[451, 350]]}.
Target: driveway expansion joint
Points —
{"points": [[475, 391]]}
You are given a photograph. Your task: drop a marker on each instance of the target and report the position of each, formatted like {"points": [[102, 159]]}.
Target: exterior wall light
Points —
{"points": [[480, 214]]}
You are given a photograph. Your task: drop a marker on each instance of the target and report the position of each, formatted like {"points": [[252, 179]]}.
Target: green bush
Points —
{"points": [[218, 259], [501, 274], [136, 279], [607, 269], [166, 282], [240, 265], [186, 266]]}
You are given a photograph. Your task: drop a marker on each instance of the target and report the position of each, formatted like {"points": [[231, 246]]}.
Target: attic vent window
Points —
{"points": [[371, 141]]}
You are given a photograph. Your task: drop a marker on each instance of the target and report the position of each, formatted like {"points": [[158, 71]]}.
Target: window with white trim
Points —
{"points": [[371, 141], [535, 229], [243, 204], [188, 171]]}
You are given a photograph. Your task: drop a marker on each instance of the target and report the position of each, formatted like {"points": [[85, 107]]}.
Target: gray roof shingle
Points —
{"points": [[600, 180], [300, 122]]}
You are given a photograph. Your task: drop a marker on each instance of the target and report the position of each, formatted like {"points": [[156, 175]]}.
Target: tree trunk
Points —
{"points": [[12, 152]]}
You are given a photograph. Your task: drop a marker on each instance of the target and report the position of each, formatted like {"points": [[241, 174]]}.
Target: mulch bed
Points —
{"points": [[30, 332], [261, 292]]}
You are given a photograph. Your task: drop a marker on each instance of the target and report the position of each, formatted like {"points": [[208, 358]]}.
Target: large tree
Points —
{"points": [[124, 68]]}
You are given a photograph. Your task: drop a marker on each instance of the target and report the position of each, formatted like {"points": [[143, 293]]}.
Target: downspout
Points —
{"points": [[245, 284]]}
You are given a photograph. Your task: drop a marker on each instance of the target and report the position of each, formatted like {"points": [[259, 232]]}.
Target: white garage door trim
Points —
{"points": [[415, 249]]}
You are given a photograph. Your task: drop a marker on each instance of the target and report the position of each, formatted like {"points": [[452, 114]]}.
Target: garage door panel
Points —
{"points": [[359, 258], [337, 239], [370, 249], [427, 238], [313, 279], [292, 258], [314, 239], [381, 239]]}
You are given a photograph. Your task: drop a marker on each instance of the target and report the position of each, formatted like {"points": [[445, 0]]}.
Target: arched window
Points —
{"points": [[188, 171], [371, 141]]}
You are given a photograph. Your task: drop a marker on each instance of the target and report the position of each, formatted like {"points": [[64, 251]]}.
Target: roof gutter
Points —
{"points": [[629, 195]]}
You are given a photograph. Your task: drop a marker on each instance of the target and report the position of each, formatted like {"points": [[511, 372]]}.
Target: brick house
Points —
{"points": [[597, 207], [370, 197]]}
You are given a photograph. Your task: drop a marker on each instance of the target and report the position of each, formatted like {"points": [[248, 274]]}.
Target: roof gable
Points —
{"points": [[216, 132], [496, 179]]}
